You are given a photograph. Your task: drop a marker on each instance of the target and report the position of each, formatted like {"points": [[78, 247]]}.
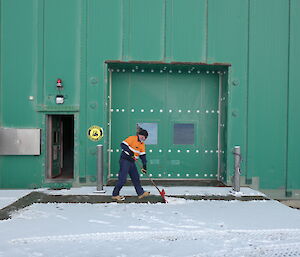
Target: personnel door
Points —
{"points": [[60, 146]]}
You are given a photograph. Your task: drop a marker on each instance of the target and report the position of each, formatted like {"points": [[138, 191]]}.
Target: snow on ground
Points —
{"points": [[179, 228], [7, 197]]}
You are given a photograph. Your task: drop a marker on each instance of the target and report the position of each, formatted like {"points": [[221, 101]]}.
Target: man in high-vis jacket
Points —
{"points": [[133, 148]]}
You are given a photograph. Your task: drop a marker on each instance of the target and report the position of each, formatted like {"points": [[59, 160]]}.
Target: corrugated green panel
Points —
{"points": [[228, 33], [20, 77], [104, 42], [19, 49], [228, 42], [268, 92], [188, 30], [21, 172], [294, 103], [62, 44], [147, 21], [104, 33]]}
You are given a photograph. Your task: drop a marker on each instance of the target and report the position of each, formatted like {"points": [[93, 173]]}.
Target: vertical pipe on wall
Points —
{"points": [[109, 120], [219, 126]]}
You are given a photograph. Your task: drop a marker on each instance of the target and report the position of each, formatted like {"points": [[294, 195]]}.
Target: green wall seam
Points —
{"points": [[206, 31], [1, 83], [288, 97], [248, 173]]}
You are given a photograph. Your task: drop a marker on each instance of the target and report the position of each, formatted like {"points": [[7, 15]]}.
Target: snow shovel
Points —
{"points": [[161, 192]]}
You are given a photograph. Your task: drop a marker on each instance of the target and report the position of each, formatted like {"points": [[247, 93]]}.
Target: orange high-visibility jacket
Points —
{"points": [[134, 145]]}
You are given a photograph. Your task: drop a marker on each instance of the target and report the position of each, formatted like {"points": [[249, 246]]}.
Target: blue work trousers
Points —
{"points": [[128, 167]]}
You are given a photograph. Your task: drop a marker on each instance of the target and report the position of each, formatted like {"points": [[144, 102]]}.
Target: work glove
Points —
{"points": [[144, 169]]}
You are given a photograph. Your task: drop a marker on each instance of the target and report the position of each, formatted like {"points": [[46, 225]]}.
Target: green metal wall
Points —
{"points": [[42, 40]]}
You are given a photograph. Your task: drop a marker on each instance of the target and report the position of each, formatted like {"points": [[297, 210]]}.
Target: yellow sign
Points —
{"points": [[95, 133]]}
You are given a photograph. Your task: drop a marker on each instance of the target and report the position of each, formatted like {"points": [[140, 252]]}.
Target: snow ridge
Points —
{"points": [[256, 235], [270, 250]]}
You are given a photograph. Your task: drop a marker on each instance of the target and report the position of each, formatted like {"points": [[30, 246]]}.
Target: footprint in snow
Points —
{"points": [[99, 222], [138, 227]]}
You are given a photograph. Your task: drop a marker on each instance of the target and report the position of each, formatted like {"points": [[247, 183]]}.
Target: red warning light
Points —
{"points": [[59, 83]]}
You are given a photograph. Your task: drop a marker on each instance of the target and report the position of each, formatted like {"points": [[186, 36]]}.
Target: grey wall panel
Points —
{"points": [[15, 141]]}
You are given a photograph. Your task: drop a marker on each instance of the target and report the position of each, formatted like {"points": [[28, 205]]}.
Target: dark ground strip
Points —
{"points": [[39, 197]]}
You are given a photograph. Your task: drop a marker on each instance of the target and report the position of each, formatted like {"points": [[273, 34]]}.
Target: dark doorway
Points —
{"points": [[60, 146]]}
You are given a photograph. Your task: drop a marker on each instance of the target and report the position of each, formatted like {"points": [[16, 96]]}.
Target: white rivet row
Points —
{"points": [[161, 110], [178, 175], [190, 71], [210, 151], [170, 151]]}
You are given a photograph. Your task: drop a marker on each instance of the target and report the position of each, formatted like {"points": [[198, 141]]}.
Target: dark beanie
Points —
{"points": [[143, 132]]}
